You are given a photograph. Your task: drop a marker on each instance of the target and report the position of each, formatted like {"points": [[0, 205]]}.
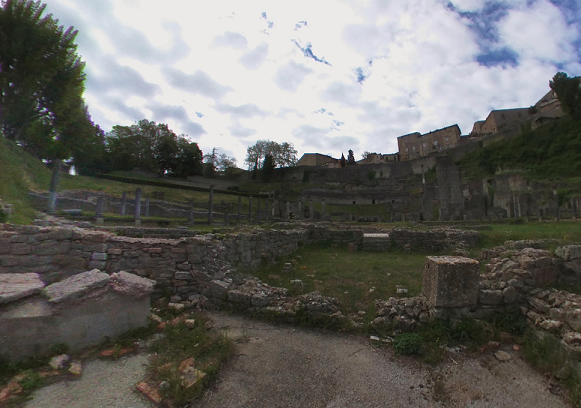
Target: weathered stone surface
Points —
{"points": [[502, 356], [99, 256], [490, 297], [569, 252], [16, 286], [76, 286], [59, 362], [544, 276], [131, 285], [451, 281], [510, 295]]}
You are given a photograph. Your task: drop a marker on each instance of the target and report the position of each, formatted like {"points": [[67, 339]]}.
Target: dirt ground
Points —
{"points": [[286, 366]]}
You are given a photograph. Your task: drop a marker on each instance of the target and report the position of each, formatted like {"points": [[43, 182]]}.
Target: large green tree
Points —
{"points": [[283, 154], [568, 91], [41, 84], [154, 147]]}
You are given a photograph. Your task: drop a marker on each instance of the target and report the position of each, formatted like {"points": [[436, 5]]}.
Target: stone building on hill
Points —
{"points": [[416, 145], [317, 159], [502, 119], [377, 158]]}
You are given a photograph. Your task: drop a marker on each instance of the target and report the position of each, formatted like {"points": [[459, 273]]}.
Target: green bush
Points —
{"points": [[408, 344]]}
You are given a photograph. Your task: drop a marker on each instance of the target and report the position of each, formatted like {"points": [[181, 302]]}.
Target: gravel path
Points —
{"points": [[104, 383], [284, 366]]}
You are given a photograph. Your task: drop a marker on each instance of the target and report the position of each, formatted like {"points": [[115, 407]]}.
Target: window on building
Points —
{"points": [[406, 149], [414, 148], [435, 143], [424, 145], [446, 139]]}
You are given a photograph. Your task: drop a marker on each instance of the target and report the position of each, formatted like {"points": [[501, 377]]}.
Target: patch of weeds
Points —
{"points": [[207, 349], [511, 322], [31, 381], [408, 344], [548, 355]]}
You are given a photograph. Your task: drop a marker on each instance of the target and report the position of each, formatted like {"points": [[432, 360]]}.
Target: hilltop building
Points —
{"points": [[416, 145], [378, 158], [498, 120], [317, 159]]}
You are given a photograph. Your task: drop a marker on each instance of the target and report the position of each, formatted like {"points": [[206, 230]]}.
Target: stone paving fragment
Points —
{"points": [[14, 286], [76, 286]]}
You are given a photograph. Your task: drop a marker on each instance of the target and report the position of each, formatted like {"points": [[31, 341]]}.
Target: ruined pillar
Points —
{"points": [[556, 198], [211, 206], [266, 210], [146, 206], [239, 209], [226, 218], [191, 213], [311, 211], [54, 181], [137, 211], [323, 209], [249, 209], [299, 210], [451, 281], [287, 215], [123, 202], [100, 220], [515, 205]]}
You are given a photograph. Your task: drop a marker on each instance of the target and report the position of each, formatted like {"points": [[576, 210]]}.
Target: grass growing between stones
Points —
{"points": [[568, 231], [357, 279], [185, 359]]}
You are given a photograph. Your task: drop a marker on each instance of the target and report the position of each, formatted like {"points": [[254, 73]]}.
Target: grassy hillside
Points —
{"points": [[20, 173], [550, 153]]}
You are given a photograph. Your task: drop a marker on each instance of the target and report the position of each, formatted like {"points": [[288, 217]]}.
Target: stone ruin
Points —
{"points": [[82, 310], [199, 272]]}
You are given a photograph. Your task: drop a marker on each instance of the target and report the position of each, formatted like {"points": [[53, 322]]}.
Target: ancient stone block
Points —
{"points": [[101, 265], [59, 234], [8, 260], [544, 276], [115, 251], [567, 252], [131, 285], [76, 286], [99, 256], [14, 286], [451, 281], [21, 249], [510, 295], [183, 275], [490, 297]]}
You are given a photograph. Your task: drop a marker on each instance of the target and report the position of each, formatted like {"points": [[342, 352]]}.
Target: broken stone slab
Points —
{"points": [[14, 286], [451, 281], [490, 297], [131, 285], [569, 252], [76, 286], [502, 356]]}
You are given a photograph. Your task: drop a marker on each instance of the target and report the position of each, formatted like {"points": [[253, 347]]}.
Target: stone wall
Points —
{"points": [[186, 266]]}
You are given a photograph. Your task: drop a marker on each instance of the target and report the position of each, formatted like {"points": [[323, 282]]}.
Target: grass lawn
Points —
{"points": [[357, 279]]}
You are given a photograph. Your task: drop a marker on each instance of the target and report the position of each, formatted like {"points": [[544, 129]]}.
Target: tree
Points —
{"points": [[41, 83], [342, 161], [154, 147], [350, 158], [283, 154], [568, 91], [267, 168], [41, 88]]}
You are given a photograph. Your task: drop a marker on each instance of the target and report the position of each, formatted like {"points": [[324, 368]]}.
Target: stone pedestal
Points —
{"points": [[451, 281]]}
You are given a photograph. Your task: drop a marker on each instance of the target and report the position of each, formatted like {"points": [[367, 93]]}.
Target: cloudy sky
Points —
{"points": [[326, 75]]}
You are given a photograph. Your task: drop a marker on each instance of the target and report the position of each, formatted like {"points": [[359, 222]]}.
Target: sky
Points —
{"points": [[325, 75]]}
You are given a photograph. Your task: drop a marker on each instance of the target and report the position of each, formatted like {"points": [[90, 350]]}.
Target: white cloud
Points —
{"points": [[251, 82], [539, 31]]}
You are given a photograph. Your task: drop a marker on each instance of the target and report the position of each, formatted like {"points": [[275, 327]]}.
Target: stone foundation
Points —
{"points": [[83, 310]]}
